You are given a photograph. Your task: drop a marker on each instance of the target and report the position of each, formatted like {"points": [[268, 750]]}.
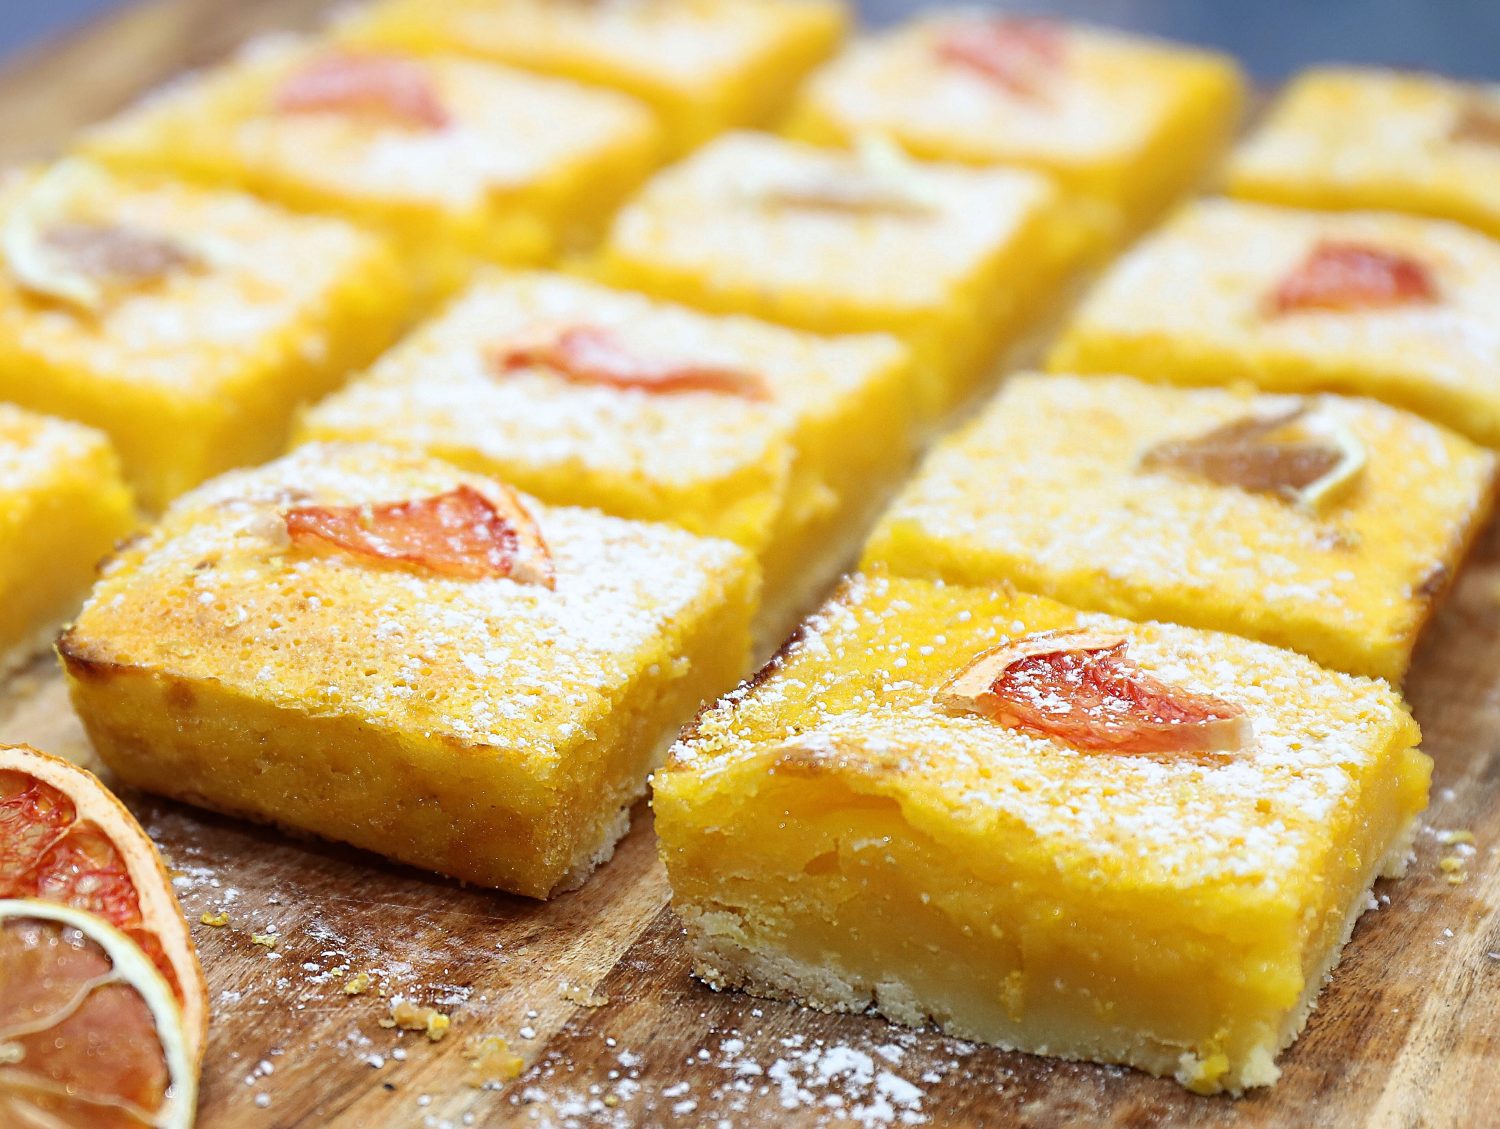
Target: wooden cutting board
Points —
{"points": [[593, 989]]}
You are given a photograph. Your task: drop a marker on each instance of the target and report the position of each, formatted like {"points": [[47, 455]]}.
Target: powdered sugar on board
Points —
{"points": [[873, 1080]]}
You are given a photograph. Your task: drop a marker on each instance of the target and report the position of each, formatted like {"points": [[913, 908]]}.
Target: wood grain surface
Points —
{"points": [[593, 989]]}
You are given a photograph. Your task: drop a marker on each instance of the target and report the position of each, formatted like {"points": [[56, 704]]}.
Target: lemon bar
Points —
{"points": [[1323, 524], [1126, 124], [185, 323], [1398, 308], [952, 260], [1347, 137], [704, 66], [457, 161], [63, 506], [1052, 832], [777, 440], [377, 648]]}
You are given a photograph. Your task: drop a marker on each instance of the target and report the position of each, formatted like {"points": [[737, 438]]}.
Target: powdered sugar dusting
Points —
{"points": [[491, 662], [859, 691]]}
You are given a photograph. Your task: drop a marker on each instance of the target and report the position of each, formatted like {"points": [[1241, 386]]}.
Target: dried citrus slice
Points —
{"points": [[588, 354], [1081, 689], [65, 839], [1300, 456], [461, 533], [91, 1036], [1018, 54], [386, 86], [52, 252], [1478, 123], [1352, 276], [881, 180]]}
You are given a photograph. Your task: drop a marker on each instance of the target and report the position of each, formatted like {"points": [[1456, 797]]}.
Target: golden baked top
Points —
{"points": [[1016, 88], [449, 387], [220, 591], [33, 448], [685, 46], [1341, 136], [867, 229], [856, 695], [1062, 478], [401, 130], [1212, 274], [163, 284]]}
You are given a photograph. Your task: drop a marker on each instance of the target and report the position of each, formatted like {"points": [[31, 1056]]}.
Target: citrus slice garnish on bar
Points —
{"points": [[52, 251], [463, 533], [390, 87], [1296, 454], [587, 354], [1345, 277], [1081, 688], [91, 1034], [65, 839], [1018, 54], [1477, 123]]}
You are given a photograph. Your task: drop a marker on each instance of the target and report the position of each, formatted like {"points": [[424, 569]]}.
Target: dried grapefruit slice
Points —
{"points": [[587, 354], [1295, 454], [1081, 689], [65, 839], [91, 1036], [1018, 54], [462, 533], [1343, 277], [1478, 123], [387, 86]]}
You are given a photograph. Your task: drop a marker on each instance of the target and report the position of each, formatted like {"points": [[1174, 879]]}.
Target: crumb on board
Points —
{"points": [[1455, 836], [1453, 869], [491, 1062], [1455, 864], [217, 920], [266, 940], [410, 1017], [582, 995], [357, 985]]}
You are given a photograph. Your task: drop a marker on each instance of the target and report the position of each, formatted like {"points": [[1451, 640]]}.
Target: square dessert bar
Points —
{"points": [[1374, 304], [375, 647], [1126, 124], [1052, 832], [1344, 137], [457, 161], [777, 440], [187, 324], [953, 260], [63, 506], [704, 66], [1325, 525]]}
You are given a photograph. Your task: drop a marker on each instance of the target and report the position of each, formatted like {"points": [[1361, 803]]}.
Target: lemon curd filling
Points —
{"points": [[496, 729], [835, 836]]}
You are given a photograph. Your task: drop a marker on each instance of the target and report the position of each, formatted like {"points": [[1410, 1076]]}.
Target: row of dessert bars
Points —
{"points": [[987, 785], [594, 458]]}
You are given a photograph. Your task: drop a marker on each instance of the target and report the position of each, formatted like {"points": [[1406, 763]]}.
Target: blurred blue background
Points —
{"points": [[1273, 37]]}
